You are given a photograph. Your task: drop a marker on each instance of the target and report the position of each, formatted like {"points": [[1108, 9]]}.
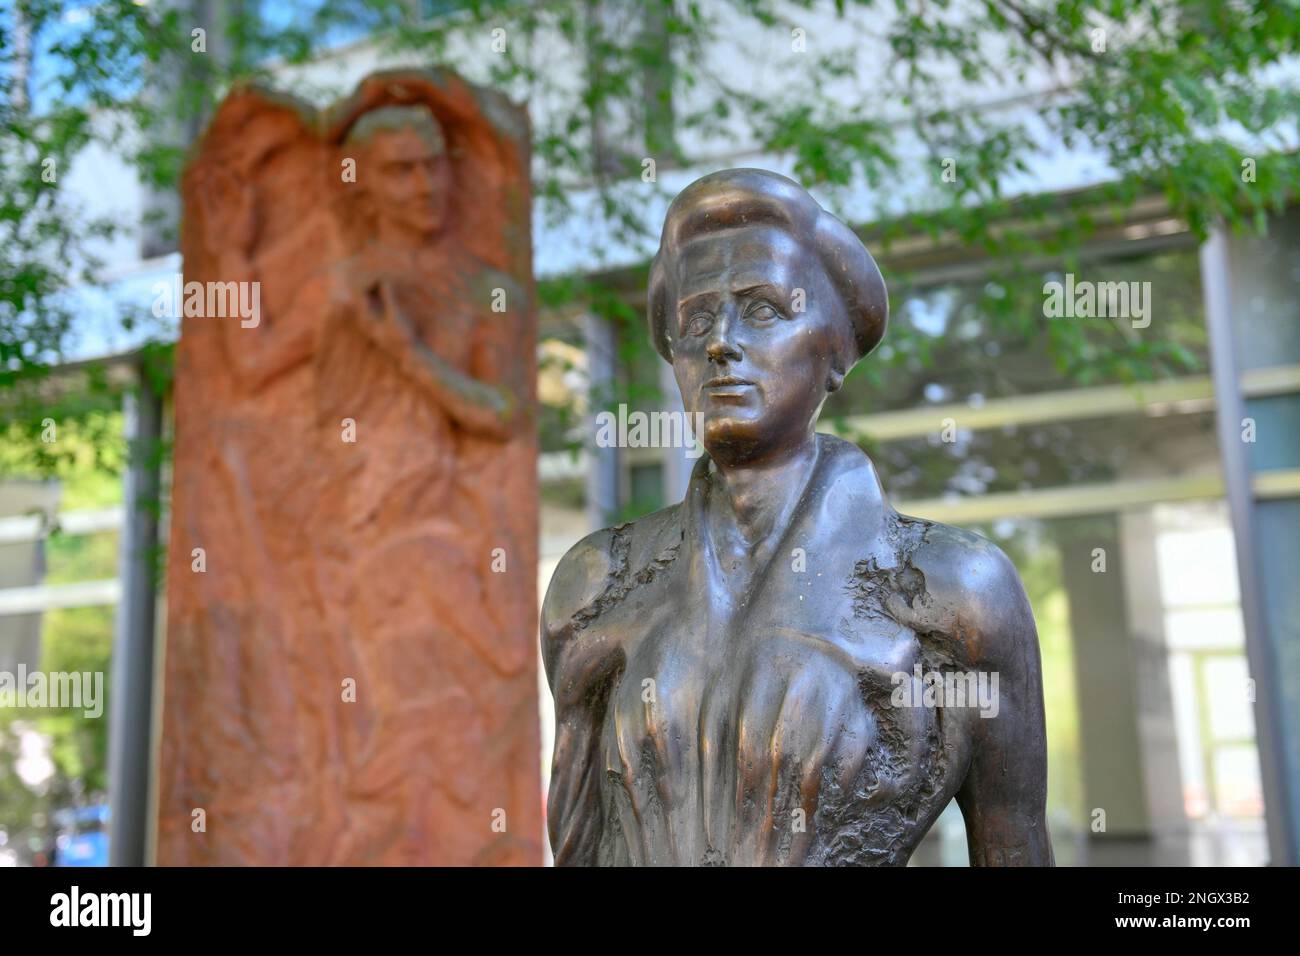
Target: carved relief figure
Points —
{"points": [[356, 460], [726, 671]]}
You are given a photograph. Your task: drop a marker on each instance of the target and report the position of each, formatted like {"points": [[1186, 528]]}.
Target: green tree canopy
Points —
{"points": [[1191, 100]]}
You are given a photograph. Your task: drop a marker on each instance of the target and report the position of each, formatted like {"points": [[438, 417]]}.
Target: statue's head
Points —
{"points": [[762, 302], [403, 168]]}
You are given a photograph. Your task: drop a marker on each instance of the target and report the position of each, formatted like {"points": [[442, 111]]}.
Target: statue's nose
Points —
{"points": [[722, 346]]}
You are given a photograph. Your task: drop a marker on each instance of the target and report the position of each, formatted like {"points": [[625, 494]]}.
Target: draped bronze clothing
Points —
{"points": [[701, 724]]}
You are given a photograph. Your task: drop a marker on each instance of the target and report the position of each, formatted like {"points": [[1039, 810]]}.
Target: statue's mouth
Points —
{"points": [[726, 381]]}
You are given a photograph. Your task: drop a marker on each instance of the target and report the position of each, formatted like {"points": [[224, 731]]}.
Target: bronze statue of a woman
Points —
{"points": [[764, 674]]}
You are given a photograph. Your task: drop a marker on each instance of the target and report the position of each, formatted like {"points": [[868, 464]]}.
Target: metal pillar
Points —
{"points": [[131, 706], [1217, 290], [604, 479]]}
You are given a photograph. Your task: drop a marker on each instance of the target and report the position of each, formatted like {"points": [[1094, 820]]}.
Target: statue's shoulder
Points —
{"points": [[946, 583], [578, 579], [959, 566], [970, 591], [603, 568]]}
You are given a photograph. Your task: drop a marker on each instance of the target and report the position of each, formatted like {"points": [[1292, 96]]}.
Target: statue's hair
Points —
{"points": [[417, 118], [738, 198]]}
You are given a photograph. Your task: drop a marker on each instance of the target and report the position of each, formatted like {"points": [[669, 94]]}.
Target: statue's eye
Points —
{"points": [[699, 323], [763, 312]]}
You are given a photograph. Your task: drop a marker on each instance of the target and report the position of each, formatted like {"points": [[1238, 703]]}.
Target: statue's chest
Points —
{"points": [[736, 733], [442, 317]]}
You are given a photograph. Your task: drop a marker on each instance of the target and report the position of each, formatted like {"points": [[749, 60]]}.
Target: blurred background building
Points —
{"points": [[1156, 524]]}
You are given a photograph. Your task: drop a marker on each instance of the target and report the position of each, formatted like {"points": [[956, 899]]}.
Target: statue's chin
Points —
{"points": [[403, 233], [738, 440], [425, 227], [734, 440]]}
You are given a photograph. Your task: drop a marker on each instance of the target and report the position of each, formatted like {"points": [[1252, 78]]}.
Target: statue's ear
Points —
{"points": [[657, 312], [844, 348]]}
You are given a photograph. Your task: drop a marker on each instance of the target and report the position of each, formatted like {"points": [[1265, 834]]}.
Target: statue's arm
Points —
{"points": [[975, 595], [1004, 797], [484, 408], [259, 354], [260, 351], [581, 667], [502, 312]]}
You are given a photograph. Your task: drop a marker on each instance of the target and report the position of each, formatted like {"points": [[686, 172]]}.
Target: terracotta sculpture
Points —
{"points": [[762, 673], [349, 678]]}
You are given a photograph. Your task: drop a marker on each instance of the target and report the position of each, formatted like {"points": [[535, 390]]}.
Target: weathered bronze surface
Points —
{"points": [[747, 677]]}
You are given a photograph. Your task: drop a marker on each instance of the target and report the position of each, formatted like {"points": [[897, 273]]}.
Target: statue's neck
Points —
{"points": [[757, 499]]}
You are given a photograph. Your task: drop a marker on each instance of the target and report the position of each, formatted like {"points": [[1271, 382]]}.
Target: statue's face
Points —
{"points": [[744, 355], [409, 180]]}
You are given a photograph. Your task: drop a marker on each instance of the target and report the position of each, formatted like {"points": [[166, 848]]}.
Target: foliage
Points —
{"points": [[72, 640], [1173, 94]]}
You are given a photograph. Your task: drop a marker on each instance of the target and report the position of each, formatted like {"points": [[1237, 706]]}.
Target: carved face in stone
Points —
{"points": [[405, 172], [413, 180], [758, 334]]}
